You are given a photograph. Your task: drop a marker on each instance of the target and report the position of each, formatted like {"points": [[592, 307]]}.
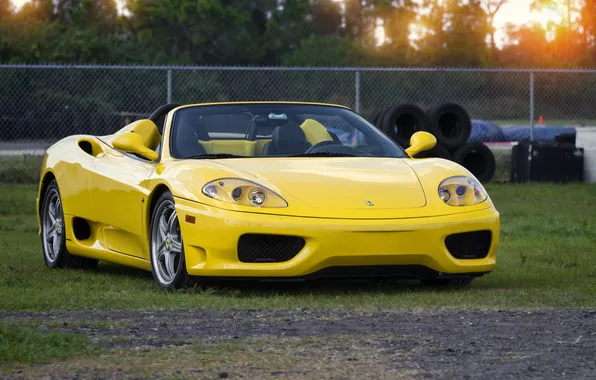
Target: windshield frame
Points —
{"points": [[387, 143]]}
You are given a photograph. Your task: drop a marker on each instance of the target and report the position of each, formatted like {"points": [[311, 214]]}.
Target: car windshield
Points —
{"points": [[276, 130]]}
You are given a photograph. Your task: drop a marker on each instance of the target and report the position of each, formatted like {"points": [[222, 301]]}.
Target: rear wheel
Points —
{"points": [[53, 233], [167, 251]]}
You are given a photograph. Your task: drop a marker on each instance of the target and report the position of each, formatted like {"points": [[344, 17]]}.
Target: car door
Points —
{"points": [[117, 198], [73, 173]]}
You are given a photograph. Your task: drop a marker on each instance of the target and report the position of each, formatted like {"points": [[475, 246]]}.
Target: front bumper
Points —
{"points": [[413, 247]]}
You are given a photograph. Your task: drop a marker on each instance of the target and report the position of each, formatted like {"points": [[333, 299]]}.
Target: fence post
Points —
{"points": [[169, 86], [531, 106], [357, 84]]}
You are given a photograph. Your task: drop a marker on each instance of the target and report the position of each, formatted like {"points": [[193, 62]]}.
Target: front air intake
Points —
{"points": [[261, 248], [469, 245]]}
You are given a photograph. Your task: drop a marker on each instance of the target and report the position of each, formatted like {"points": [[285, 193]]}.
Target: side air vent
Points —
{"points": [[260, 248], [90, 146], [81, 229]]}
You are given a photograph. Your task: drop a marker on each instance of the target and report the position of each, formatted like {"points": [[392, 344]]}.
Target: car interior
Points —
{"points": [[247, 134], [257, 135]]}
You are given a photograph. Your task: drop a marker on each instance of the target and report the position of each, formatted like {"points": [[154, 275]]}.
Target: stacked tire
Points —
{"points": [[450, 124]]}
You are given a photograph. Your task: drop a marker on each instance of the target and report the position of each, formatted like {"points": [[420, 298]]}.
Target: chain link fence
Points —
{"points": [[41, 104]]}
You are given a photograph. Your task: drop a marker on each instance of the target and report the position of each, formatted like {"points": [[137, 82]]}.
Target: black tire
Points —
{"points": [[438, 151], [56, 255], [442, 282], [451, 125], [180, 279], [402, 121], [376, 115], [478, 159], [379, 118]]}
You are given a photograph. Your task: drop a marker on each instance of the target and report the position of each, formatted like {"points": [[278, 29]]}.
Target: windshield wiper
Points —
{"points": [[214, 155], [324, 154]]}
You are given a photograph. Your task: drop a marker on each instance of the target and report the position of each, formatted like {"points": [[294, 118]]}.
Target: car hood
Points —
{"points": [[318, 187], [344, 183]]}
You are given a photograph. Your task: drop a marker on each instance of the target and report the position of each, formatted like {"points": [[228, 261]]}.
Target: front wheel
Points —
{"points": [[167, 251]]}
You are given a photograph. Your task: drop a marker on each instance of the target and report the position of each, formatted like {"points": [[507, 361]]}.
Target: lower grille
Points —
{"points": [[469, 245], [260, 248]]}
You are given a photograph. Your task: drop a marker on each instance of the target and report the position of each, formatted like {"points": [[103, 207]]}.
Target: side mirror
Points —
{"points": [[420, 142], [131, 142]]}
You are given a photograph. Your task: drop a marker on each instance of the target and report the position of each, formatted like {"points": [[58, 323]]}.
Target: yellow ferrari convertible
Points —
{"points": [[263, 190]]}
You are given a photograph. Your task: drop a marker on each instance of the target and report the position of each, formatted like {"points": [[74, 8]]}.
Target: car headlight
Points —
{"points": [[243, 192], [462, 191]]}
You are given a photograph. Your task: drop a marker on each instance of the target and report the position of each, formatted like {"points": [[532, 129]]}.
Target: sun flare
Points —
{"points": [[548, 17], [18, 3], [519, 12], [379, 32], [516, 12]]}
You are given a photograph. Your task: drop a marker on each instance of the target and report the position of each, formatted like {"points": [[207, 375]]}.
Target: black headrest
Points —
{"points": [[289, 138], [158, 116], [162, 111]]}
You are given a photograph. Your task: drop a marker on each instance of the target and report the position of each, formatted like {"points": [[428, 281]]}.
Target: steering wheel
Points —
{"points": [[320, 144], [337, 148]]}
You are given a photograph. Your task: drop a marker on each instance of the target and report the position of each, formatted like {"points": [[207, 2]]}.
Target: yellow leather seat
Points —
{"points": [[315, 132]]}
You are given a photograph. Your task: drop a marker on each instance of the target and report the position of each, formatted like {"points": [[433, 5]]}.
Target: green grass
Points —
{"points": [[547, 258], [343, 356], [28, 345], [22, 169]]}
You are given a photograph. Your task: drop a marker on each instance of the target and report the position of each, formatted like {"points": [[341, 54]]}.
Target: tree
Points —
{"points": [[326, 18], [465, 34], [397, 19], [354, 17], [456, 33], [77, 31], [325, 51], [588, 22], [302, 32], [204, 32], [5, 9], [288, 26], [85, 12], [432, 43], [526, 47], [5, 27], [491, 8], [38, 10], [553, 4]]}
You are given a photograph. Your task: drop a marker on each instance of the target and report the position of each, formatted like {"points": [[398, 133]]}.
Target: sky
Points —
{"points": [[19, 3], [516, 12]]}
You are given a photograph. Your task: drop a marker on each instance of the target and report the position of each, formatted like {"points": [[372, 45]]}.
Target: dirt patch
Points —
{"points": [[313, 343]]}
